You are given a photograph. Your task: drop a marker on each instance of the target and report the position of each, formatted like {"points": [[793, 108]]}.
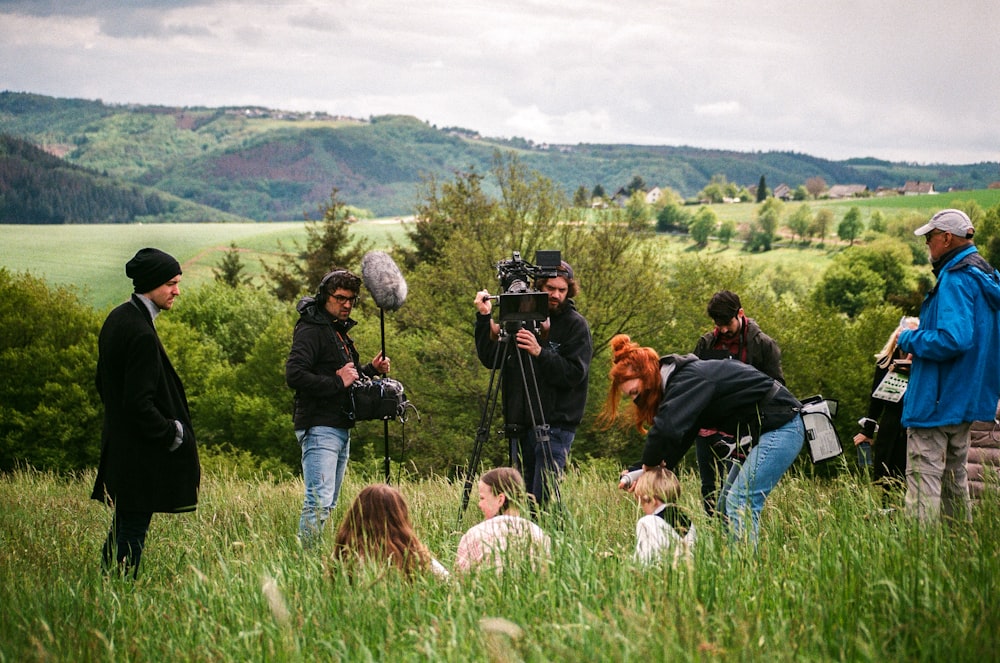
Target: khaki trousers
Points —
{"points": [[936, 479]]}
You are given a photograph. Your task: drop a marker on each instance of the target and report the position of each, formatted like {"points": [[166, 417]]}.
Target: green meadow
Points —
{"points": [[833, 579], [91, 258]]}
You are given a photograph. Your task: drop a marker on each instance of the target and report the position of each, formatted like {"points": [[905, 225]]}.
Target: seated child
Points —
{"points": [[503, 530], [664, 529], [377, 529]]}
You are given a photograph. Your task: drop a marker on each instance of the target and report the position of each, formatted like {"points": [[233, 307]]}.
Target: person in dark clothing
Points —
{"points": [[738, 337], [559, 359], [149, 458], [881, 426], [676, 395], [321, 367]]}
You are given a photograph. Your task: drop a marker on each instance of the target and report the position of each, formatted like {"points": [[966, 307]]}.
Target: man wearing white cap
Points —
{"points": [[955, 378]]}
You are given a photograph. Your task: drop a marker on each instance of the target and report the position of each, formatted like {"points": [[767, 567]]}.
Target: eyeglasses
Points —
{"points": [[343, 299], [934, 233]]}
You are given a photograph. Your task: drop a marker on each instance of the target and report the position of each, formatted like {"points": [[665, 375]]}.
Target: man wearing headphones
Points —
{"points": [[321, 367]]}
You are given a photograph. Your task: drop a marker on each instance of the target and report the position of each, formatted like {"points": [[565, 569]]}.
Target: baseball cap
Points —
{"points": [[953, 221]]}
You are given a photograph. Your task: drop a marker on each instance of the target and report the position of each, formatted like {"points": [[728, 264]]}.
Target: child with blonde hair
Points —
{"points": [[664, 530], [503, 532]]}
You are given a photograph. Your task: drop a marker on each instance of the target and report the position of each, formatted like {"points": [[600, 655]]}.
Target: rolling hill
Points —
{"points": [[269, 165]]}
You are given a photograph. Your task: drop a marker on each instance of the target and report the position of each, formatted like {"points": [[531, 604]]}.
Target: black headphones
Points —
{"points": [[321, 292]]}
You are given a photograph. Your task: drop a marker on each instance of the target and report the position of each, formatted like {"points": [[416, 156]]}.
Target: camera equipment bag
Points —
{"points": [[377, 398], [821, 434]]}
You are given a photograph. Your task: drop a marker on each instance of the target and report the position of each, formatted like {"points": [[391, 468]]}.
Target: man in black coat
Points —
{"points": [[149, 458]]}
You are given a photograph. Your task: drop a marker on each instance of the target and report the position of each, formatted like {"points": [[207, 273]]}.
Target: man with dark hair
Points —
{"points": [[955, 376], [558, 358], [321, 367], [149, 459], [734, 336]]}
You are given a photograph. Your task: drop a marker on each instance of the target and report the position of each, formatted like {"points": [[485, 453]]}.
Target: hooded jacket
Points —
{"points": [[720, 394], [955, 377], [561, 370], [321, 345]]}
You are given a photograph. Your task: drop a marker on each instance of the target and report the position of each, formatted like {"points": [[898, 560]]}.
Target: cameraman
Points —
{"points": [[321, 367], [557, 357]]}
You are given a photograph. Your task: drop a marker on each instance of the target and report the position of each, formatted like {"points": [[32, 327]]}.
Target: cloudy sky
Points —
{"points": [[904, 80]]}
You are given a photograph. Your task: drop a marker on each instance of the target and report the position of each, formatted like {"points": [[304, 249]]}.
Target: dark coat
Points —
{"points": [[756, 348], [720, 394], [320, 347], [561, 370], [142, 397]]}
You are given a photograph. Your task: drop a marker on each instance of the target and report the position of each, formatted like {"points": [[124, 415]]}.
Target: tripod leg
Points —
{"points": [[483, 432], [544, 462]]}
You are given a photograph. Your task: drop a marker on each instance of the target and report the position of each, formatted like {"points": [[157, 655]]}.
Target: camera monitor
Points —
{"points": [[524, 306], [548, 259]]}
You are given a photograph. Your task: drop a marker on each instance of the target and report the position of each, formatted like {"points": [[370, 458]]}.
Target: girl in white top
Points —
{"points": [[664, 532], [503, 531]]}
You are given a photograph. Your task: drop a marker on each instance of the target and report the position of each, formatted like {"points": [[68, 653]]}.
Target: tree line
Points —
{"points": [[38, 188], [229, 339]]}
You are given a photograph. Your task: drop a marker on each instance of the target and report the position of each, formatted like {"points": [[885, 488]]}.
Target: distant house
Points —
{"points": [[847, 191], [783, 192], [917, 188], [653, 195]]}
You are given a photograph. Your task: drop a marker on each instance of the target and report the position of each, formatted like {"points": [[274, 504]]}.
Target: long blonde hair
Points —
{"points": [[884, 356]]}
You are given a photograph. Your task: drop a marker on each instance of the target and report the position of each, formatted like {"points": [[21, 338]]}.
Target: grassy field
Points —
{"points": [[832, 580], [91, 258]]}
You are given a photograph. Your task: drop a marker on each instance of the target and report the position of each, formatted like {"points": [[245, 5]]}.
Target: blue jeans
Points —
{"points": [[865, 456], [540, 464], [325, 451], [749, 483]]}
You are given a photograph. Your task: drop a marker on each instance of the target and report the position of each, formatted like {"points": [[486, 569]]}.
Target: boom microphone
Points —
{"points": [[384, 280]]}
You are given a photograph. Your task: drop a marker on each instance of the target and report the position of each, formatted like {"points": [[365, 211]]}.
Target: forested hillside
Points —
{"points": [[270, 165]]}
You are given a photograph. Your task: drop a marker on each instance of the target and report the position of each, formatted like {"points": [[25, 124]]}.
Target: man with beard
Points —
{"points": [[735, 336], [558, 359], [321, 367]]}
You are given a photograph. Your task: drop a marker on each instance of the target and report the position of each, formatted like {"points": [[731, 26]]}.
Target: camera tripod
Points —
{"points": [[507, 347]]}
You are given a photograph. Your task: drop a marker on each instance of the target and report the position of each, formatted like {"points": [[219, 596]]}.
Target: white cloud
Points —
{"points": [[893, 79], [718, 109]]}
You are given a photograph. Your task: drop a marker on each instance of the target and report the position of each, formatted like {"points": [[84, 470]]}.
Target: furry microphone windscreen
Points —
{"points": [[384, 280]]}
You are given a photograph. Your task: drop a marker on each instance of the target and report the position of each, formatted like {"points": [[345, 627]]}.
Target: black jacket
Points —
{"points": [[721, 394], [561, 370], [321, 346], [142, 397], [760, 349]]}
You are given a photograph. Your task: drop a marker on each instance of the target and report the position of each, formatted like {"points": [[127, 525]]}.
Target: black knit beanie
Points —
{"points": [[151, 268]]}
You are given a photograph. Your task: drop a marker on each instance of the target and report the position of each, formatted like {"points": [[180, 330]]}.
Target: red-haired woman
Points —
{"points": [[676, 395]]}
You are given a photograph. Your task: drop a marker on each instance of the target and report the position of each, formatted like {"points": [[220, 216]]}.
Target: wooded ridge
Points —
{"points": [[201, 164]]}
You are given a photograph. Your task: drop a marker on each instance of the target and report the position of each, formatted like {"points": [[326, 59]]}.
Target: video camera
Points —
{"points": [[519, 302]]}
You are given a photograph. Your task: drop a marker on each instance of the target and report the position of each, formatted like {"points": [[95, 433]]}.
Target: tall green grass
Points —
{"points": [[831, 580]]}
